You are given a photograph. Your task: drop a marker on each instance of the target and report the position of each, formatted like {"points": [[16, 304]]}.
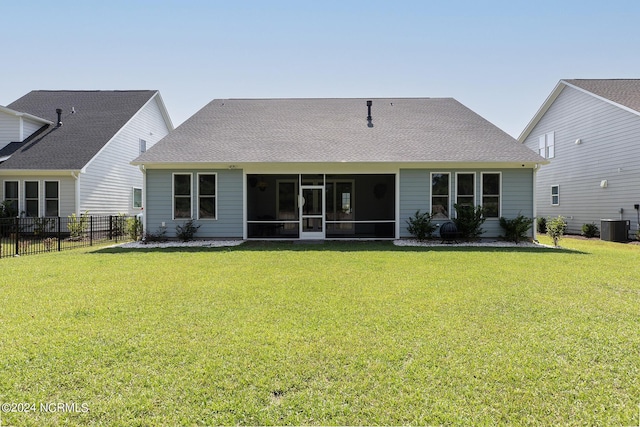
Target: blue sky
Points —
{"points": [[500, 58]]}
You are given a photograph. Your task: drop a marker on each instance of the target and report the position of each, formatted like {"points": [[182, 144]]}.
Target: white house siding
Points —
{"points": [[67, 191], [516, 195], [608, 150], [106, 186], [9, 129], [229, 197], [29, 127]]}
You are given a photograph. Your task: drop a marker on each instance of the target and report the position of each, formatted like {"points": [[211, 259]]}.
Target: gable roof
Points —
{"points": [[336, 130], [623, 93], [98, 117]]}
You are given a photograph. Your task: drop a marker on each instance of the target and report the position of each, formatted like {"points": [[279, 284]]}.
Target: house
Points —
{"points": [[589, 130], [332, 168], [65, 152]]}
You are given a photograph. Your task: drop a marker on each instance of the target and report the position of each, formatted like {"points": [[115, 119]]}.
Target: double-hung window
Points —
{"points": [[137, 198], [51, 198], [491, 194], [182, 196], [440, 195], [547, 145], [465, 189], [32, 199], [206, 196], [11, 197], [555, 195]]}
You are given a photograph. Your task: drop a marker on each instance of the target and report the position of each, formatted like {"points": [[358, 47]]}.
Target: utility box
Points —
{"points": [[614, 230]]}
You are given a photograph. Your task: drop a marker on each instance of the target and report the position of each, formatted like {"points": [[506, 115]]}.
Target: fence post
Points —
{"points": [[59, 234], [91, 230], [110, 227], [17, 234]]}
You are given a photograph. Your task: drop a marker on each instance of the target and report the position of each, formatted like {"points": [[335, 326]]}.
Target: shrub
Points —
{"points": [[516, 229], [556, 228], [78, 225], [134, 228], [542, 225], [159, 235], [638, 234], [420, 225], [187, 231], [590, 230], [43, 226], [469, 221]]}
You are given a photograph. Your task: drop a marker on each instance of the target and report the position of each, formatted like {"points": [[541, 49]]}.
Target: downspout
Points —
{"points": [[535, 210], [76, 176], [144, 197]]}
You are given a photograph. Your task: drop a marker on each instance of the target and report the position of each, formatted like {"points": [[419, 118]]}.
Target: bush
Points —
{"points": [[78, 225], [469, 221], [420, 225], [556, 228], [134, 228], [542, 225], [590, 230], [187, 231], [516, 229], [638, 234], [159, 236]]}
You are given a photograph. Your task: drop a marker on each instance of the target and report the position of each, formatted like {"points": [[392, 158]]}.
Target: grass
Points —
{"points": [[348, 333]]}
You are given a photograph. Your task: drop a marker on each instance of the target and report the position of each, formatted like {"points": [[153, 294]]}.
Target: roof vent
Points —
{"points": [[369, 122], [59, 112]]}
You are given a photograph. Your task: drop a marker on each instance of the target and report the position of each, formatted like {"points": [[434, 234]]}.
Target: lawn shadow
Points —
{"points": [[340, 246]]}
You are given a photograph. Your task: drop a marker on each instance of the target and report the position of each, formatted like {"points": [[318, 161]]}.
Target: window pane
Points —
{"points": [[465, 184], [51, 208], [137, 197], [31, 190], [207, 207], [465, 201], [440, 207], [207, 185], [491, 184], [50, 190], [11, 190], [182, 185], [440, 184], [31, 208], [182, 207], [491, 206]]}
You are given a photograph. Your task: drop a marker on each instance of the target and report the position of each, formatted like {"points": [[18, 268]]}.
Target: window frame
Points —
{"points": [[17, 198], [448, 207], [556, 195], [46, 199], [133, 198], [27, 199], [215, 196], [142, 145], [173, 195], [499, 195], [474, 186], [547, 145]]}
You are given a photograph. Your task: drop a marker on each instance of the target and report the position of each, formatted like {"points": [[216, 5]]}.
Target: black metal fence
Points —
{"points": [[28, 236]]}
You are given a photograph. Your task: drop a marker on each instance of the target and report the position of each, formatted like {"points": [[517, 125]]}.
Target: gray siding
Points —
{"points": [[608, 151], [516, 195], [159, 203], [106, 186]]}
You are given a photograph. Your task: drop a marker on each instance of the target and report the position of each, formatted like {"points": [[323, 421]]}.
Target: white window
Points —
{"points": [[547, 145], [11, 197], [137, 198], [32, 198], [143, 146], [182, 196], [440, 195], [466, 189], [207, 196], [491, 194], [51, 198], [555, 195]]}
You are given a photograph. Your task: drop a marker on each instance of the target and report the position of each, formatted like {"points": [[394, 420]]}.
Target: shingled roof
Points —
{"points": [[98, 116], [336, 130], [625, 92]]}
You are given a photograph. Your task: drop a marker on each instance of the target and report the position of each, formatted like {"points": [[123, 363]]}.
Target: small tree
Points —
{"points": [[187, 231], [134, 228], [542, 225], [516, 229], [590, 230], [469, 221], [556, 228], [78, 225], [420, 225]]}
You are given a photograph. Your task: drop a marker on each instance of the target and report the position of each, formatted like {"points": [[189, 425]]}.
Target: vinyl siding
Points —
{"points": [[516, 195], [159, 203], [29, 127], [107, 183], [608, 151], [9, 129], [67, 191]]}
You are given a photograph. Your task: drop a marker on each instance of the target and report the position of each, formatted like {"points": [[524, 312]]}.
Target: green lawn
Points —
{"points": [[350, 333]]}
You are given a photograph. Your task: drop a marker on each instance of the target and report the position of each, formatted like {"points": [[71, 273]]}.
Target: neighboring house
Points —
{"points": [[64, 152], [332, 168], [589, 130]]}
